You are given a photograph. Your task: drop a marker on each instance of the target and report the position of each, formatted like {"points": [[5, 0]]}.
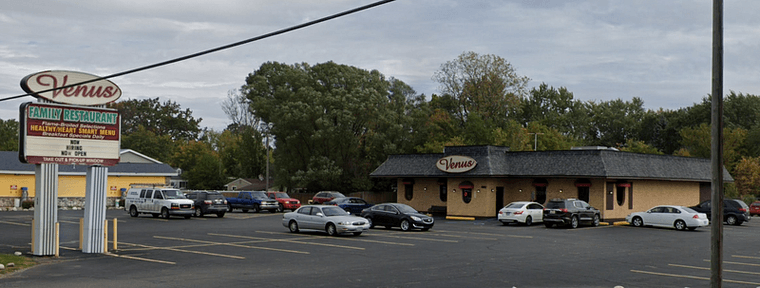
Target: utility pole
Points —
{"points": [[716, 229], [535, 140]]}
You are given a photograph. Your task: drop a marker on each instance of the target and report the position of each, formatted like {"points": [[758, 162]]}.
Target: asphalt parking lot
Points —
{"points": [[255, 250]]}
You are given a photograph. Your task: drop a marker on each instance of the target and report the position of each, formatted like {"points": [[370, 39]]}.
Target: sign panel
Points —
{"points": [[456, 164], [94, 93], [69, 135]]}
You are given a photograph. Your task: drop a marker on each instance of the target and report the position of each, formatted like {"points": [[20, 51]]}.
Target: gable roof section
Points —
{"points": [[562, 163], [9, 164]]}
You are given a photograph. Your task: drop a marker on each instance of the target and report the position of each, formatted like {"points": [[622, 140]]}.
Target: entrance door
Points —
{"points": [[583, 193], [499, 198]]}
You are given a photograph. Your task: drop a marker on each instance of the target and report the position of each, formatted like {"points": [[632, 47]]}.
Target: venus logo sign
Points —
{"points": [[93, 93], [456, 164]]}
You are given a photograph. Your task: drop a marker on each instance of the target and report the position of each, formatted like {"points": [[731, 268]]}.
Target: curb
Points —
{"points": [[620, 223], [459, 218]]}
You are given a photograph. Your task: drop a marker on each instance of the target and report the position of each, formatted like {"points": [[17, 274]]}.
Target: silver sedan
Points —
{"points": [[328, 218]]}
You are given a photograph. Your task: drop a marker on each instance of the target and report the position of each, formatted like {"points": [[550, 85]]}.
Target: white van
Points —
{"points": [[164, 201]]}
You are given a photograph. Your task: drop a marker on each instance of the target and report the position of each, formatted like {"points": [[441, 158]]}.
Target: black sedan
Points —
{"points": [[352, 205], [397, 215]]}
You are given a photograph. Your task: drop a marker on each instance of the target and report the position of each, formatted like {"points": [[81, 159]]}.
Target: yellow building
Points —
{"points": [[133, 168], [477, 181]]}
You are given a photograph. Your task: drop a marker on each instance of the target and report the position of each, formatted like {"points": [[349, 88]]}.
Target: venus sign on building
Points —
{"points": [[456, 164], [69, 134]]}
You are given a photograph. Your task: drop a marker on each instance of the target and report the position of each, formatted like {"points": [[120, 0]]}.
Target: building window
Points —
{"points": [[540, 196], [408, 192], [467, 195], [583, 193], [442, 192], [620, 196]]}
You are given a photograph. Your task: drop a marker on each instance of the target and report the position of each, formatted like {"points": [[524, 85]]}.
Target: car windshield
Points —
{"points": [[333, 211], [173, 194], [687, 210], [259, 195], [281, 195], [215, 196], [515, 205], [406, 209]]}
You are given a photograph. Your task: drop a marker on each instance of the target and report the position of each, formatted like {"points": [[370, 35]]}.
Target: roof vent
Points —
{"points": [[594, 148]]}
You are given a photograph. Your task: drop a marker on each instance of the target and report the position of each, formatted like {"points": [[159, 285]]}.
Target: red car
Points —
{"points": [[324, 196], [285, 201], [754, 208]]}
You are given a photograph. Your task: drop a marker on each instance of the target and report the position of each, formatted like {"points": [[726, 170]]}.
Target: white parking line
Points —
{"points": [[238, 244], [693, 277], [708, 268], [342, 238], [288, 240], [14, 223]]}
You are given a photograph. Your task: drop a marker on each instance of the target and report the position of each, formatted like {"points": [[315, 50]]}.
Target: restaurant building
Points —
{"points": [[476, 181]]}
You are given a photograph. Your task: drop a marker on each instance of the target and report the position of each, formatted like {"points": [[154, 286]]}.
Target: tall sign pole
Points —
{"points": [[69, 126], [716, 229]]}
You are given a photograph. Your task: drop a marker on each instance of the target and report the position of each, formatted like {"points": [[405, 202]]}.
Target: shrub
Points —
{"points": [[27, 204]]}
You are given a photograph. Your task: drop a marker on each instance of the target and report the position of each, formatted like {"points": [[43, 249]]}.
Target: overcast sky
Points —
{"points": [[657, 50]]}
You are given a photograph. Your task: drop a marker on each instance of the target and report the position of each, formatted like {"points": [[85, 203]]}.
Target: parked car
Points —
{"points": [[669, 216], [252, 200], [208, 203], [284, 201], [164, 201], [735, 212], [521, 212], [353, 205], [570, 212], [754, 208], [328, 218], [397, 215], [324, 196]]}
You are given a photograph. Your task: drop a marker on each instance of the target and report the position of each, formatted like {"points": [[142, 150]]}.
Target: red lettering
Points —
{"points": [[84, 91]]}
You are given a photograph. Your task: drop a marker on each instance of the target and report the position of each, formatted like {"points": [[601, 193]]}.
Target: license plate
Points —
{"points": [[551, 212]]}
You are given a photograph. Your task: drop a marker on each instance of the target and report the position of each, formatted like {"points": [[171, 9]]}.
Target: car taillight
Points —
{"points": [[564, 210], [695, 216], [518, 212], [208, 202], [742, 210], [501, 212]]}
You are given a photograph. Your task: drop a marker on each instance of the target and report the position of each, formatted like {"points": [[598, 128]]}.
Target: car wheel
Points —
{"points": [[405, 226], [596, 221], [357, 233], [220, 214], [293, 226], [133, 211], [256, 208], [371, 225], [574, 222], [165, 213], [229, 207], [637, 222], [281, 208], [331, 230], [731, 220], [198, 212], [528, 221], [680, 225]]}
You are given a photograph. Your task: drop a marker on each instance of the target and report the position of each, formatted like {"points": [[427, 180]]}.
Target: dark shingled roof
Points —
{"points": [[499, 162], [9, 163]]}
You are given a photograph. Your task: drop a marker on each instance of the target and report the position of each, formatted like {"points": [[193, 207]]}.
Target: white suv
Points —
{"points": [[158, 201]]}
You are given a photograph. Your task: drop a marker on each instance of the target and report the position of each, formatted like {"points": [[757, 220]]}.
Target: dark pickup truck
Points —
{"points": [[252, 200]]}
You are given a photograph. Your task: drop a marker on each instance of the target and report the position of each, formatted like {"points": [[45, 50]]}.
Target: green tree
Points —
{"points": [[333, 124], [747, 176], [9, 135], [166, 118], [639, 147], [201, 165], [614, 122], [556, 109], [146, 142], [697, 141], [485, 84]]}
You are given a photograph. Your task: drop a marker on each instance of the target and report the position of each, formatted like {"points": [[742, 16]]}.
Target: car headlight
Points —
{"points": [[415, 218]]}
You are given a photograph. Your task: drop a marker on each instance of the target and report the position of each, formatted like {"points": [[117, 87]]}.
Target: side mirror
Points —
{"points": [[320, 214]]}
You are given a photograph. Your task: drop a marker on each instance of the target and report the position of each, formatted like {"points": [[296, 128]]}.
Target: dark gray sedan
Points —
{"points": [[331, 219]]}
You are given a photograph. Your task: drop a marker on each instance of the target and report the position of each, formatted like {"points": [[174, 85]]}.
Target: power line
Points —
{"points": [[275, 33]]}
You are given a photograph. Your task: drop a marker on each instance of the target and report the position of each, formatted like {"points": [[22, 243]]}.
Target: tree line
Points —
{"points": [[331, 125]]}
